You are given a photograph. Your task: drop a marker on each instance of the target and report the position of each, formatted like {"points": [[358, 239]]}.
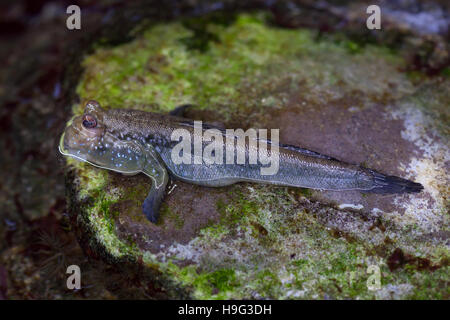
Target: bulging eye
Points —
{"points": [[89, 121]]}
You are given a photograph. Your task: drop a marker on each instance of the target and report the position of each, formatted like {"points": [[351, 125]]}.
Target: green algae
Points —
{"points": [[221, 281], [167, 215], [283, 251]]}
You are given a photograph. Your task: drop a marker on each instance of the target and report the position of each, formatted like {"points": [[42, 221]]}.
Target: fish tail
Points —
{"points": [[392, 184]]}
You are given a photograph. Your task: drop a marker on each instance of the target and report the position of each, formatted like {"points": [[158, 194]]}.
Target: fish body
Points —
{"points": [[133, 141]]}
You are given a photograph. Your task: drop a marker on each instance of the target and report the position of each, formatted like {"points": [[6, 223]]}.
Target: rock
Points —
{"points": [[256, 241]]}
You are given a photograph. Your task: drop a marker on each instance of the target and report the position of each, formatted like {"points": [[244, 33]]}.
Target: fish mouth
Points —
{"points": [[66, 152], [61, 140], [61, 146]]}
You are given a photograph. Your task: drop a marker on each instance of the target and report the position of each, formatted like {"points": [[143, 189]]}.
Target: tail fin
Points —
{"points": [[393, 184]]}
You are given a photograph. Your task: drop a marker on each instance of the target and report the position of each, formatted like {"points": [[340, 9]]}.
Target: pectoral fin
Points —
{"points": [[154, 169]]}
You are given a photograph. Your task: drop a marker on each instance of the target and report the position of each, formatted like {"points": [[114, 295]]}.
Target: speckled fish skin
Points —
{"points": [[132, 141], [296, 169]]}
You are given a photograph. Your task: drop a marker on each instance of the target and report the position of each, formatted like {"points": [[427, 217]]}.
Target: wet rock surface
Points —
{"points": [[379, 99], [253, 241]]}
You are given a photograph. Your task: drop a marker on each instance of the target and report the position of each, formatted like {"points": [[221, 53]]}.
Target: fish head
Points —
{"points": [[87, 138]]}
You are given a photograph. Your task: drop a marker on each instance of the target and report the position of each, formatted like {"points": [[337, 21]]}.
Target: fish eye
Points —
{"points": [[89, 121]]}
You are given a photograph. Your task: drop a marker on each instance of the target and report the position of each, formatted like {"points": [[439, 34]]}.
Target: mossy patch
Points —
{"points": [[167, 215]]}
